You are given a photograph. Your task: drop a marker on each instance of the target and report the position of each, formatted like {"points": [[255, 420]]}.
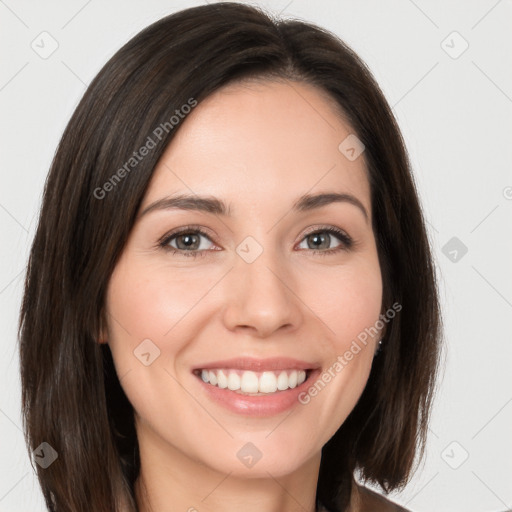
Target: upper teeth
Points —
{"points": [[253, 382]]}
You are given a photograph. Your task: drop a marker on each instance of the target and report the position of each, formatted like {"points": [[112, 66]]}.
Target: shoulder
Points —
{"points": [[364, 499]]}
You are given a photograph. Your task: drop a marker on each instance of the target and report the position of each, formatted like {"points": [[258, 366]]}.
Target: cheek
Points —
{"points": [[148, 301], [145, 304], [151, 320], [138, 318], [347, 299]]}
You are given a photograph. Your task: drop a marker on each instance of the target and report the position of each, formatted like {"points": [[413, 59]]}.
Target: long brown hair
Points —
{"points": [[71, 396]]}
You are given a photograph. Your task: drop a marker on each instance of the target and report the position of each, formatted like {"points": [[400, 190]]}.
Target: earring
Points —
{"points": [[379, 348]]}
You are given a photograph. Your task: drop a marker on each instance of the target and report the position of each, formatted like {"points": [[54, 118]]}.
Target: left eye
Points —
{"points": [[321, 239]]}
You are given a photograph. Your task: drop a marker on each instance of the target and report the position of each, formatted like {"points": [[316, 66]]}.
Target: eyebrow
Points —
{"points": [[210, 204]]}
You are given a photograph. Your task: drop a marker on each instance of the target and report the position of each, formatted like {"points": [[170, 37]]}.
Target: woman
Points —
{"points": [[230, 299]]}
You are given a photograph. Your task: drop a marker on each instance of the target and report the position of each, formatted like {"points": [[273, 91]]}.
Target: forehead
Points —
{"points": [[261, 141]]}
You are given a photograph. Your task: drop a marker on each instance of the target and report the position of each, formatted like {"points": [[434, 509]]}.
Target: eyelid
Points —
{"points": [[327, 227]]}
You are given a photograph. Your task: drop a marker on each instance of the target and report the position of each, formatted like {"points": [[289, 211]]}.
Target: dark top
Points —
{"points": [[363, 499]]}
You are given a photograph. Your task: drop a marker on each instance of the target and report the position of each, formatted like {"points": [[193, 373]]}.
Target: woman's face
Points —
{"points": [[266, 294]]}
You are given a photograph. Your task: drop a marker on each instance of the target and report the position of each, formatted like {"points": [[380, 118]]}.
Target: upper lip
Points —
{"points": [[258, 365]]}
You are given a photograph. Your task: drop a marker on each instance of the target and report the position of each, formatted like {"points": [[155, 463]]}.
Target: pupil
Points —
{"points": [[321, 238], [189, 240]]}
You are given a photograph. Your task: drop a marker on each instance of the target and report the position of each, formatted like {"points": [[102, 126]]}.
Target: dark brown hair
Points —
{"points": [[71, 395]]}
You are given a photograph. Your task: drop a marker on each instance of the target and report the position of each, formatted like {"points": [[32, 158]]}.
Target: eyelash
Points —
{"points": [[346, 241]]}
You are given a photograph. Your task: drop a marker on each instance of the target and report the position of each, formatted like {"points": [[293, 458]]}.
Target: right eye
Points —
{"points": [[188, 242]]}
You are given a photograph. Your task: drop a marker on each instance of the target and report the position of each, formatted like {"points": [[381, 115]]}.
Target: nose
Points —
{"points": [[260, 296]]}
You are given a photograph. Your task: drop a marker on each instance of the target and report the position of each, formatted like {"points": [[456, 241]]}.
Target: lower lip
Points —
{"points": [[260, 405]]}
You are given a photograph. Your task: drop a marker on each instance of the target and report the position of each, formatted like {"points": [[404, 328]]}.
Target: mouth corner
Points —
{"points": [[313, 371]]}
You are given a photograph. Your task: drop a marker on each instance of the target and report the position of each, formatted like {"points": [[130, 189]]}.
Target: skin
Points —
{"points": [[258, 146]]}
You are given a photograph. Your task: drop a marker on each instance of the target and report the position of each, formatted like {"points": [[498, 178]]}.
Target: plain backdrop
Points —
{"points": [[446, 69]]}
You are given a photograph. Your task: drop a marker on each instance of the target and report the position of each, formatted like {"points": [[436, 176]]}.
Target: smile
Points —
{"points": [[253, 383], [255, 387]]}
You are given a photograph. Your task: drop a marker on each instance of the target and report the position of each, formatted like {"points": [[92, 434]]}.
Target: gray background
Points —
{"points": [[454, 109]]}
